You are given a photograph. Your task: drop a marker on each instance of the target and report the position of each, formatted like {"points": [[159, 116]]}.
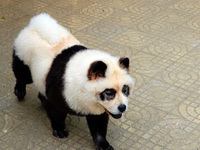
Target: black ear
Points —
{"points": [[124, 63], [97, 69]]}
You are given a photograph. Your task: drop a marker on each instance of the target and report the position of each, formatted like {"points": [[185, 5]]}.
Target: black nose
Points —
{"points": [[122, 107]]}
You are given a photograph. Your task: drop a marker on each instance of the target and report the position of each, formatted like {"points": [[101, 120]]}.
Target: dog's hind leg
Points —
{"points": [[23, 76]]}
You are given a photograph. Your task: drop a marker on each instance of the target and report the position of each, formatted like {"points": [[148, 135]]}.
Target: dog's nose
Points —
{"points": [[122, 107]]}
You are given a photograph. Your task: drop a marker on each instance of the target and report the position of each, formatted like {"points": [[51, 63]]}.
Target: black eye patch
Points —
{"points": [[126, 90], [108, 94]]}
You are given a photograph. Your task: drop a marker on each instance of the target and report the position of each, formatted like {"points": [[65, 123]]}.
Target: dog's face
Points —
{"points": [[114, 85]]}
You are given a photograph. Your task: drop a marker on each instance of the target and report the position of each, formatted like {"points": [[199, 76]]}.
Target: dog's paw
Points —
{"points": [[20, 94], [108, 148], [43, 100], [102, 144], [60, 134]]}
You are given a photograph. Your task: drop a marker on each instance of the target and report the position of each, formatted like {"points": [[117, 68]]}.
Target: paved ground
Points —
{"points": [[162, 39]]}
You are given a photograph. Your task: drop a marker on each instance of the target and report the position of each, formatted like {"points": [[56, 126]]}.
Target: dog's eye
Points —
{"points": [[108, 94], [126, 90]]}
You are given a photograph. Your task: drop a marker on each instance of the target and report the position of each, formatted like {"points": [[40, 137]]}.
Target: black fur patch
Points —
{"points": [[21, 71], [97, 70], [124, 63], [23, 76], [54, 80], [126, 90], [108, 94]]}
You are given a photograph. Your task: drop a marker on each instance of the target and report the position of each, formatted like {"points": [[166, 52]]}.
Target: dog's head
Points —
{"points": [[113, 84]]}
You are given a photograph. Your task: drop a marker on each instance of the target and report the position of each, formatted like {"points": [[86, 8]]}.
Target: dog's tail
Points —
{"points": [[48, 28]]}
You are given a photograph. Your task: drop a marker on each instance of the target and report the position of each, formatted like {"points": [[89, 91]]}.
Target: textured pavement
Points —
{"points": [[162, 40]]}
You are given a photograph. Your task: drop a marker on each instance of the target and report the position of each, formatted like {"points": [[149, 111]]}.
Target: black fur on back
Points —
{"points": [[55, 81]]}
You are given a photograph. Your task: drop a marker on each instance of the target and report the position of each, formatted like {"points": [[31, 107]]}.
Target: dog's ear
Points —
{"points": [[124, 63], [97, 70]]}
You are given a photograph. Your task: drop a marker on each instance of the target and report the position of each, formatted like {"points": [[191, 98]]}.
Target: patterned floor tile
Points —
{"points": [[60, 14], [124, 18], [160, 95], [31, 6], [74, 7], [8, 123], [135, 39], [131, 126], [155, 27], [161, 39], [7, 84], [97, 11], [117, 49], [174, 132], [173, 16], [140, 80], [183, 76], [27, 138], [119, 3], [21, 110], [163, 3], [144, 9], [167, 49], [189, 109], [188, 6], [191, 59], [147, 64], [78, 21], [132, 122], [185, 36], [13, 14], [104, 30], [89, 41], [193, 23]]}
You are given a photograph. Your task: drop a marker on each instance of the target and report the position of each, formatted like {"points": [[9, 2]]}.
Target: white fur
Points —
{"points": [[84, 97], [48, 28], [43, 39]]}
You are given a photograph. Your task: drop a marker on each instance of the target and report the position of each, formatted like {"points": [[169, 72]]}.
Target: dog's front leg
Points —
{"points": [[98, 129]]}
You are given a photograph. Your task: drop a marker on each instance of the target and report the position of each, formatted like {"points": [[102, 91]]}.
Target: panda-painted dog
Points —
{"points": [[70, 78]]}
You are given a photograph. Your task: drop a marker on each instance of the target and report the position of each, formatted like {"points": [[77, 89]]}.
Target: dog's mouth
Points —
{"points": [[114, 115]]}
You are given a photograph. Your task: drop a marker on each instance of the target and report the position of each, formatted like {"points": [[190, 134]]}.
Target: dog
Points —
{"points": [[70, 78]]}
